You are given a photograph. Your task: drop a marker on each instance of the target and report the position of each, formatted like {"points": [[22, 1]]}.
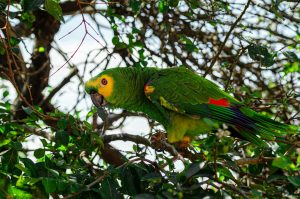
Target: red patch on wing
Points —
{"points": [[145, 86], [219, 102]]}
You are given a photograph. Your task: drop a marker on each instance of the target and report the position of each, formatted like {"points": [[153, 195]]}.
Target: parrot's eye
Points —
{"points": [[104, 81]]}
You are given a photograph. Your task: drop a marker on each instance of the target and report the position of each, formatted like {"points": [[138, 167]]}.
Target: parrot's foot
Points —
{"points": [[158, 139], [185, 142]]}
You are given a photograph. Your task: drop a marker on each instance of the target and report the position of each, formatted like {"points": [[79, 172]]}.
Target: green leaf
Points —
{"points": [[255, 169], [3, 5], [170, 163], [74, 187], [275, 177], [16, 193], [139, 44], [25, 181], [109, 189], [211, 140], [257, 193], [14, 41], [62, 124], [17, 146], [225, 172], [292, 57], [261, 54], [5, 94], [49, 184], [281, 162], [154, 176], [295, 180], [29, 164], [39, 153], [30, 5], [257, 94], [163, 6], [130, 176], [4, 142], [10, 158], [61, 137], [144, 63], [292, 67], [61, 185], [188, 44], [135, 5], [54, 9], [21, 167], [195, 4], [44, 142], [174, 3], [115, 40], [28, 18]]}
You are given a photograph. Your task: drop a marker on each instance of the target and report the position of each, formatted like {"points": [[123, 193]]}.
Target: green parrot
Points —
{"points": [[185, 103]]}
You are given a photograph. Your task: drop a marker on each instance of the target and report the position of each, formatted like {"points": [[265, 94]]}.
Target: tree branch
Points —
{"points": [[255, 161], [126, 137], [140, 140]]}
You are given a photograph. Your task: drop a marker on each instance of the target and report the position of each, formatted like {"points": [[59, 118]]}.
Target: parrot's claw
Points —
{"points": [[184, 143], [158, 140]]}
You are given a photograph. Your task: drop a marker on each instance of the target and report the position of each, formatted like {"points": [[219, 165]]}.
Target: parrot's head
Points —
{"points": [[117, 87], [101, 88]]}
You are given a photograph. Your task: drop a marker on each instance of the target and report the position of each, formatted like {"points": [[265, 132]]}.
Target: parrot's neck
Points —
{"points": [[134, 98]]}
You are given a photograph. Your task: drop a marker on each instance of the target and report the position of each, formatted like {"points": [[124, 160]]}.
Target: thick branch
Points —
{"points": [[255, 161], [139, 140], [126, 137]]}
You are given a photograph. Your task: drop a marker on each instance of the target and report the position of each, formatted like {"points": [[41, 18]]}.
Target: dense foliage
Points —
{"points": [[250, 48]]}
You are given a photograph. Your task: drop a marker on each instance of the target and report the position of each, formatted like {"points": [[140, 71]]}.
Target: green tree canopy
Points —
{"points": [[250, 48]]}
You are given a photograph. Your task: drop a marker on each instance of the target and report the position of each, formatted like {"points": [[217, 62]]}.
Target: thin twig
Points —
{"points": [[234, 188], [89, 186], [226, 38], [62, 84]]}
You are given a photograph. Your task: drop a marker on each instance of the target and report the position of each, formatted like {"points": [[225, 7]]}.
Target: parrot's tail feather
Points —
{"points": [[267, 125], [251, 137], [251, 125]]}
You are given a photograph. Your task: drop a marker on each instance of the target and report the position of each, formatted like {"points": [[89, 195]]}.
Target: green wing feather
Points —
{"points": [[179, 85], [183, 91]]}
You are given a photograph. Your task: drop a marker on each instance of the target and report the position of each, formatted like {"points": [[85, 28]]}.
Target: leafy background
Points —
{"points": [[250, 48]]}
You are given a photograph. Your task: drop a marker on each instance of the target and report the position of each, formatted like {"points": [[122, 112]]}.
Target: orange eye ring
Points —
{"points": [[104, 81]]}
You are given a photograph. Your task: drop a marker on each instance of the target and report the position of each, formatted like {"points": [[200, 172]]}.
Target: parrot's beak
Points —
{"points": [[98, 100]]}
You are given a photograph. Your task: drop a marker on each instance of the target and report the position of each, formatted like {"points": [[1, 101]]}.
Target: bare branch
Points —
{"points": [[126, 137]]}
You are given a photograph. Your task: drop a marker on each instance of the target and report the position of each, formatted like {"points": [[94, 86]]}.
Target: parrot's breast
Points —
{"points": [[181, 125]]}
